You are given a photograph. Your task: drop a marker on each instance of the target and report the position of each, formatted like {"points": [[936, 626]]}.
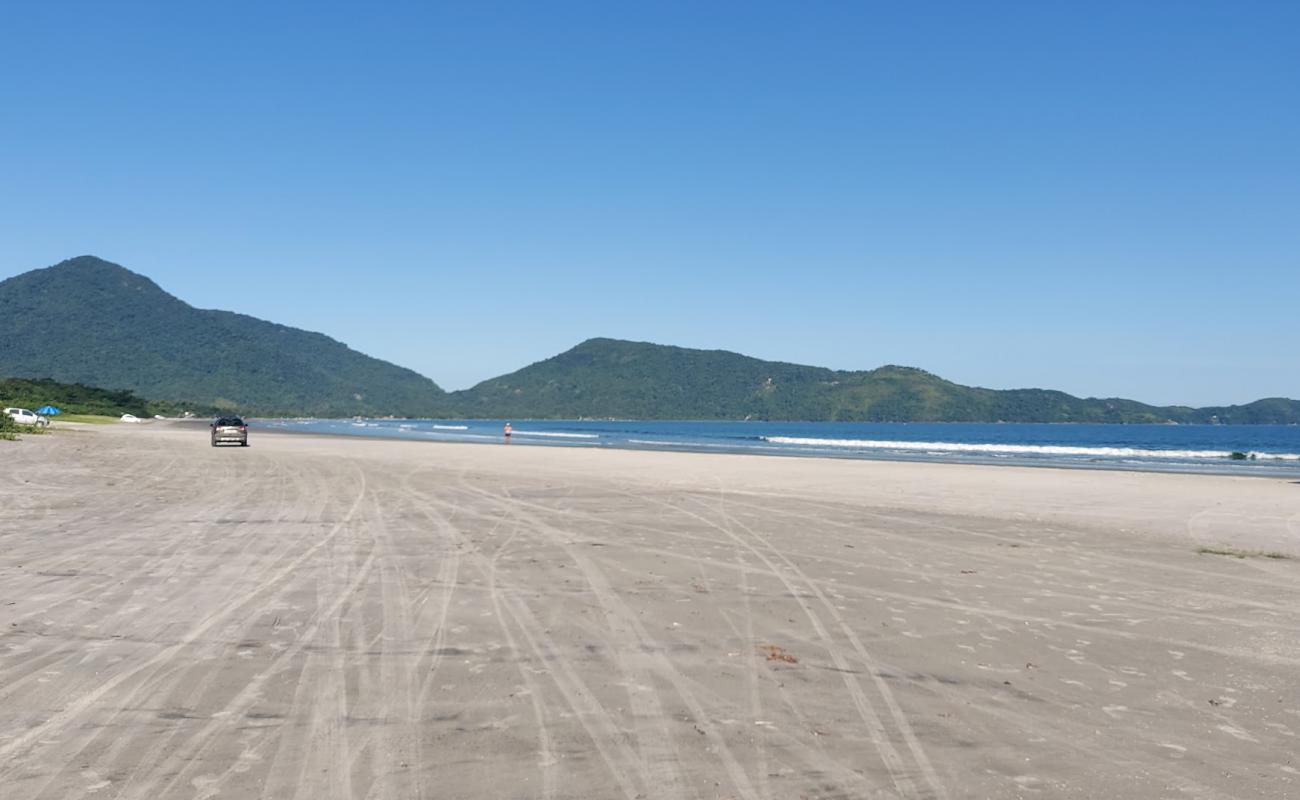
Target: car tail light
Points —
{"points": [[243, 427]]}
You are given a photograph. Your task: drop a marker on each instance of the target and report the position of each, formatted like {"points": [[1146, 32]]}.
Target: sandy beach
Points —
{"points": [[318, 617]]}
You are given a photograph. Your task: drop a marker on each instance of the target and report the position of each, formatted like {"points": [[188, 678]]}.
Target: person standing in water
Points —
{"points": [[507, 432]]}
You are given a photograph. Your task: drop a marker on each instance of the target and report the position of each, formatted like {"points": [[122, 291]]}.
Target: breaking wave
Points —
{"points": [[449, 427], [695, 445], [558, 435], [1022, 449], [483, 436]]}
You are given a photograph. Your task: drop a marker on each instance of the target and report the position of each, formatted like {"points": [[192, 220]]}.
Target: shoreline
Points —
{"points": [[1000, 485], [1255, 468]]}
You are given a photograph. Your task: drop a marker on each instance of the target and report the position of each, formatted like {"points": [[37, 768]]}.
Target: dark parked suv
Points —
{"points": [[229, 429]]}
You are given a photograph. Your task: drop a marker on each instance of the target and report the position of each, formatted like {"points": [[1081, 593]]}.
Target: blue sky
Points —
{"points": [[1098, 197]]}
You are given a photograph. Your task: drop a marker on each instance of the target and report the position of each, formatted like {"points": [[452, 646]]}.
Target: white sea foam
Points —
{"points": [[558, 435], [697, 445], [1020, 449], [456, 437], [451, 427]]}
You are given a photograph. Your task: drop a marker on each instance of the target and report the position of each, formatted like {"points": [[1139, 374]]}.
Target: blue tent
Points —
{"points": [[47, 411]]}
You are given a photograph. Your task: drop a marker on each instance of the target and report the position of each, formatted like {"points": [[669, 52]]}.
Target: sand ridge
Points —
{"points": [[329, 617]]}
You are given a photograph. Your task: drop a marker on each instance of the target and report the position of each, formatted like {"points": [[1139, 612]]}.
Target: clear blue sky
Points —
{"points": [[1097, 197]]}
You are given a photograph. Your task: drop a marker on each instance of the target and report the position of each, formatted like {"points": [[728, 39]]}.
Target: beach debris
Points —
{"points": [[774, 653], [1239, 553], [968, 572]]}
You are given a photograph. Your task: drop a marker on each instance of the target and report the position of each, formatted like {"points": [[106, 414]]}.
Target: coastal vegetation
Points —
{"points": [[87, 322], [74, 399], [9, 429]]}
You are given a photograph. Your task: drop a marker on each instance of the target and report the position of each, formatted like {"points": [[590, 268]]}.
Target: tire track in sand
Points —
{"points": [[640, 657], [622, 763], [922, 761], [68, 714], [889, 755]]}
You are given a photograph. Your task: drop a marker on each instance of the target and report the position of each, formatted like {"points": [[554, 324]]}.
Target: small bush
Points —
{"points": [[9, 429]]}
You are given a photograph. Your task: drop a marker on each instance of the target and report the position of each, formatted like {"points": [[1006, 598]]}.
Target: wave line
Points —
{"points": [[1023, 449]]}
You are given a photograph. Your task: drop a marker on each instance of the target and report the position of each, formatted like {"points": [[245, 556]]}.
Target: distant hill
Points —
{"points": [[86, 321], [92, 322], [613, 378]]}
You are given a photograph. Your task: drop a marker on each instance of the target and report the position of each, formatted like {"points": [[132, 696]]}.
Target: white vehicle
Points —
{"points": [[24, 417]]}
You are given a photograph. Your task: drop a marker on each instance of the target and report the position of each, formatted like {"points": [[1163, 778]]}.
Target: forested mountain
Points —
{"points": [[88, 321], [91, 322], [612, 378]]}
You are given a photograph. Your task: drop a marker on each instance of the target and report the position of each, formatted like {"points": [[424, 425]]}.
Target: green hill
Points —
{"points": [[91, 322], [86, 321], [612, 378]]}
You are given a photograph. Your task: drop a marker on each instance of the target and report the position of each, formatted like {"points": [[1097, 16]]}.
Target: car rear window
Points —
{"points": [[230, 421]]}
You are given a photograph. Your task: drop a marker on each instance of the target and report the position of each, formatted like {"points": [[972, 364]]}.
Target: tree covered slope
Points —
{"points": [[76, 398], [88, 321], [613, 378], [91, 322]]}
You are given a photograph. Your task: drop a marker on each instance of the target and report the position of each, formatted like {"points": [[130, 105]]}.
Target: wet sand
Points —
{"points": [[328, 618]]}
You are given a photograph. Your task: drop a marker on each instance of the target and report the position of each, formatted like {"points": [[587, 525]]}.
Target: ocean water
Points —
{"points": [[1270, 449]]}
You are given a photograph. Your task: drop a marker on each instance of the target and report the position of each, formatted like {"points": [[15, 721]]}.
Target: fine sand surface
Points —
{"points": [[340, 618]]}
